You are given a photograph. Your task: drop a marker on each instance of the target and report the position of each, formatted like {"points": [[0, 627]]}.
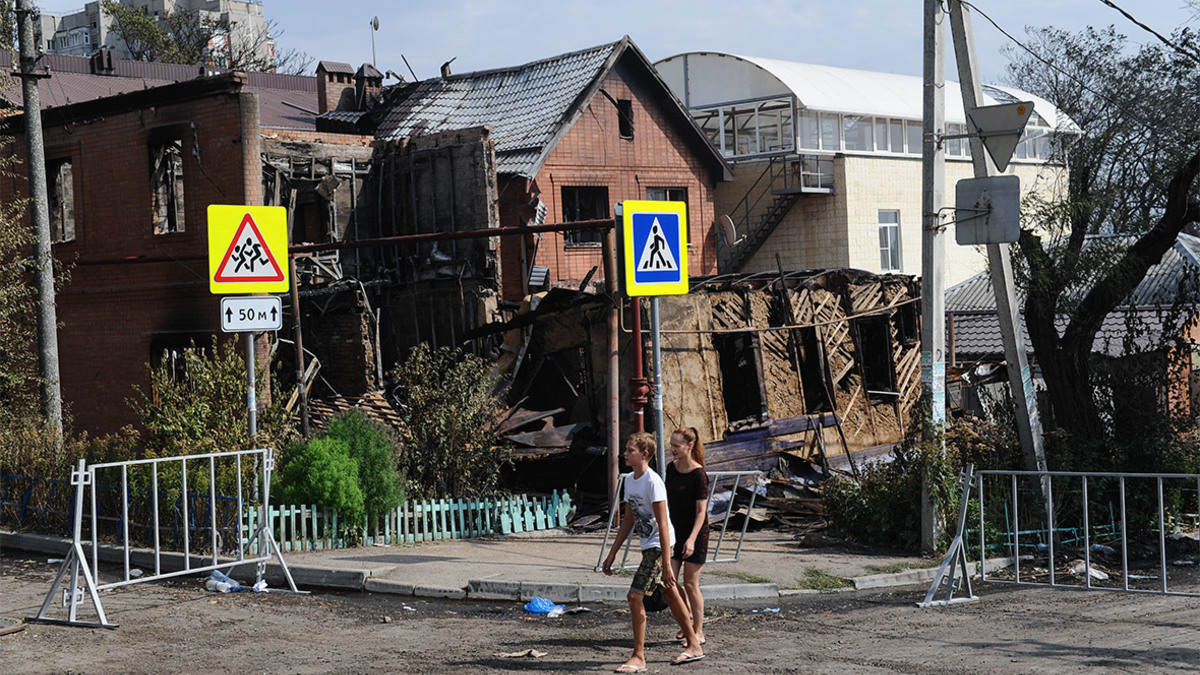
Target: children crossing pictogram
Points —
{"points": [[247, 249], [249, 255], [656, 255]]}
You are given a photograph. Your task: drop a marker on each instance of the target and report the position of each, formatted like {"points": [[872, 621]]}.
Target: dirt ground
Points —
{"points": [[179, 627]]}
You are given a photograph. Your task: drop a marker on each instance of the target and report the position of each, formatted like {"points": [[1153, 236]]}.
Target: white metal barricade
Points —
{"points": [[205, 530], [1089, 530], [716, 516]]}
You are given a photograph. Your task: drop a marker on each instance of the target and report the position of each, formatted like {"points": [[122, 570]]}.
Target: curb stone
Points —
{"points": [[491, 589], [440, 592], [387, 586]]}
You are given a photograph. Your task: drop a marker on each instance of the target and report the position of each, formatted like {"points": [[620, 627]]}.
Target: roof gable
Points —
{"points": [[525, 105], [529, 107]]}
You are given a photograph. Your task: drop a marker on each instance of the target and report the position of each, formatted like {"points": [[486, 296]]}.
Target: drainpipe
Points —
{"points": [[301, 390], [639, 393]]}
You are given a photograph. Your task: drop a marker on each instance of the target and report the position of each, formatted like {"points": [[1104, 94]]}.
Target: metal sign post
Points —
{"points": [[245, 245], [1029, 426], [653, 262]]}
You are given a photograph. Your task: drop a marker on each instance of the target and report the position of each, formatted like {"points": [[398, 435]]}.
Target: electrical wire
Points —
{"points": [[1056, 68], [1178, 49]]}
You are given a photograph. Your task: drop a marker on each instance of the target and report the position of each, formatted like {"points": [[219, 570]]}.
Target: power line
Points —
{"points": [[1180, 50], [1052, 66]]}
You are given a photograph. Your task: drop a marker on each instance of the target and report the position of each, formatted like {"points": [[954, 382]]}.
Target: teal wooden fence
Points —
{"points": [[307, 528]]}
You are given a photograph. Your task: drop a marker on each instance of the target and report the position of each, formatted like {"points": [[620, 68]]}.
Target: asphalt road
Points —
{"points": [[181, 628]]}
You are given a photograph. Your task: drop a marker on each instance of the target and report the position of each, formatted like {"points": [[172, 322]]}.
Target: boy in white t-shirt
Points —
{"points": [[646, 510]]}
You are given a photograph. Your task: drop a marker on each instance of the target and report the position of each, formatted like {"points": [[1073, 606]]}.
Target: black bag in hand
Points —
{"points": [[654, 602]]}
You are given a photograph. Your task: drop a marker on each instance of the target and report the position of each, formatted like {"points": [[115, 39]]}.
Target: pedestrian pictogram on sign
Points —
{"points": [[247, 247], [656, 255], [654, 248]]}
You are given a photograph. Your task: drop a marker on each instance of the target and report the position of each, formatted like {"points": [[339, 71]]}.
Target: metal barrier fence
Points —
{"points": [[202, 531], [1127, 532], [718, 514]]}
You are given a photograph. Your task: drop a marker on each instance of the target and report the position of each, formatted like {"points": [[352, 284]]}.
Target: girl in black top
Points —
{"points": [[687, 502]]}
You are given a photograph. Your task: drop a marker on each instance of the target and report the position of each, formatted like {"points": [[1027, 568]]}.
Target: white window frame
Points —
{"points": [[890, 251]]}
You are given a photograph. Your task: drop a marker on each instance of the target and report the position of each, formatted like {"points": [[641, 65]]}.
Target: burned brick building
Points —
{"points": [[821, 366], [135, 153]]}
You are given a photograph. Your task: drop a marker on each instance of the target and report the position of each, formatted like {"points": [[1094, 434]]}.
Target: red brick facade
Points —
{"points": [[593, 153], [131, 290]]}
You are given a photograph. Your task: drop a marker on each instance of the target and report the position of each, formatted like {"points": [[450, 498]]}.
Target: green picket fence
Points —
{"points": [[307, 528]]}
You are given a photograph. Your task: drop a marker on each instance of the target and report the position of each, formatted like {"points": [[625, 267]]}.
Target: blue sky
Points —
{"points": [[882, 35]]}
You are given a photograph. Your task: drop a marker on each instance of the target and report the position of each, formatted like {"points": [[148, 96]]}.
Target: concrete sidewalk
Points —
{"points": [[561, 567], [555, 565]]}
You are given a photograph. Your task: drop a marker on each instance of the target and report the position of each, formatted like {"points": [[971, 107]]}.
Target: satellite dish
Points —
{"points": [[375, 22], [728, 231]]}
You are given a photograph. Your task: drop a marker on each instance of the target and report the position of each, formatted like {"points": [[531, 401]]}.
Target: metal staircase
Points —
{"points": [[784, 180]]}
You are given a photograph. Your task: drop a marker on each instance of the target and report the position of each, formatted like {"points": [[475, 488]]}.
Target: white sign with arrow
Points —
{"points": [[251, 314]]}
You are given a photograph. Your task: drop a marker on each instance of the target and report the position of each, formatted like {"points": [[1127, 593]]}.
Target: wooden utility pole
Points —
{"points": [[47, 319]]}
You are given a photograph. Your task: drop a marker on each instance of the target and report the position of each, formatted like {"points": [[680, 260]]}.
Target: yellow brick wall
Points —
{"points": [[842, 229]]}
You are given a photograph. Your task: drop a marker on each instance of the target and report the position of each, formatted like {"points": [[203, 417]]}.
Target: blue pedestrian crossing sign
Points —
{"points": [[654, 248]]}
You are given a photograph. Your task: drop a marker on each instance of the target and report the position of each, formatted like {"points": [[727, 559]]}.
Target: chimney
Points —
{"points": [[446, 68], [335, 83], [368, 82]]}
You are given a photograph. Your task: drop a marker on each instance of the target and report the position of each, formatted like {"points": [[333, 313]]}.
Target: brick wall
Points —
{"points": [[130, 287], [842, 229], [593, 154]]}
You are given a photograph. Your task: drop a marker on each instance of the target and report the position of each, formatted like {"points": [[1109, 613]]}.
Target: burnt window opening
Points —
{"points": [[61, 194], [166, 181], [908, 329], [874, 347], [167, 351], [737, 354], [812, 370], [625, 118], [584, 203]]}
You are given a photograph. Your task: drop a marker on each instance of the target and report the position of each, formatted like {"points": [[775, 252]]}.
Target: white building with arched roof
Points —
{"points": [[827, 160]]}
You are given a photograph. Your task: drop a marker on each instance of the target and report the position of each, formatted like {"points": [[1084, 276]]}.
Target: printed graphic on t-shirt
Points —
{"points": [[642, 519]]}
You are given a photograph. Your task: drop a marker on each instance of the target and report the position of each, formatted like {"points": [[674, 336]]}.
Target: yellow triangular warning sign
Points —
{"points": [[656, 254], [248, 257]]}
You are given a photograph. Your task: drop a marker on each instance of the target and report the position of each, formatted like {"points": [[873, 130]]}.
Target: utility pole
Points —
{"points": [[933, 243], [1020, 379], [47, 319]]}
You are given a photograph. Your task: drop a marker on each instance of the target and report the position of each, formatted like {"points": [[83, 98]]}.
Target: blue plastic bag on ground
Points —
{"points": [[542, 606]]}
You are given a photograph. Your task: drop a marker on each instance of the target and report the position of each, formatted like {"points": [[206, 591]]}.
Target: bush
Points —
{"points": [[322, 472], [372, 446], [450, 423], [197, 404], [883, 507]]}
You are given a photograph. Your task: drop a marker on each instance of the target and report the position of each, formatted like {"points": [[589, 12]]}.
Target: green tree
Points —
{"points": [[372, 447], [322, 472], [450, 431], [1133, 171], [188, 38]]}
